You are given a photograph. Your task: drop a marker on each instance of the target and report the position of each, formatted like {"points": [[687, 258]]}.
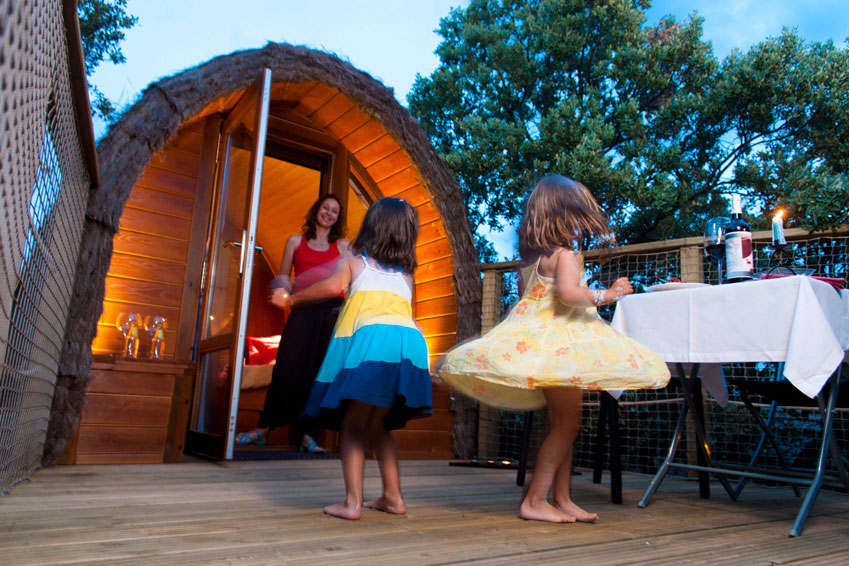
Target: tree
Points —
{"points": [[646, 117], [102, 25]]}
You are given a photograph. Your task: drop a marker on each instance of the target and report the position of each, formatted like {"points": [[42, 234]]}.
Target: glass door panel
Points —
{"points": [[227, 277]]}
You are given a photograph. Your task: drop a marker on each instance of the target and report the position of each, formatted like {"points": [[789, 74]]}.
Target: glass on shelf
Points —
{"points": [[155, 326], [715, 242], [128, 324]]}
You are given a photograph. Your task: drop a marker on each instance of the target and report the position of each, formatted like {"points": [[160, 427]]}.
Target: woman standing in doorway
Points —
{"points": [[313, 255]]}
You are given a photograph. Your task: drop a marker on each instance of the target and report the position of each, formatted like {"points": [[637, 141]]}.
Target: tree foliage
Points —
{"points": [[646, 117], [102, 25]]}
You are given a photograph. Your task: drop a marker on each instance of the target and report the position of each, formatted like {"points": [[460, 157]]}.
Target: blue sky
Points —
{"points": [[393, 40]]}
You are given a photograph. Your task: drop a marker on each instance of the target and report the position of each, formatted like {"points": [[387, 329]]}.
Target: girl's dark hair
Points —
{"points": [[388, 233], [560, 213], [337, 231]]}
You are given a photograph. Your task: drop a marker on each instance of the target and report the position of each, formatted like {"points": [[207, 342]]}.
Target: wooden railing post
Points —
{"points": [[692, 271], [488, 418], [692, 264]]}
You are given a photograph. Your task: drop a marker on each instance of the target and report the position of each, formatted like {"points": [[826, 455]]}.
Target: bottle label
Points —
{"points": [[738, 255]]}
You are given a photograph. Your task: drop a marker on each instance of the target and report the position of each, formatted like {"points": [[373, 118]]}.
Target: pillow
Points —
{"points": [[261, 350]]}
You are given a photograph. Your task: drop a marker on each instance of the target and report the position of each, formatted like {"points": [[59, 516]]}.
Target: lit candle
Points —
{"points": [[778, 228]]}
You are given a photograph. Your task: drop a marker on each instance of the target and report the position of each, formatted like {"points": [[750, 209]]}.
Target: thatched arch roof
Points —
{"points": [[145, 129]]}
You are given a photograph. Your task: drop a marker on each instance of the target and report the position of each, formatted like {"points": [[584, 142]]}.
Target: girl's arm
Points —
{"points": [[283, 279], [328, 288], [569, 291]]}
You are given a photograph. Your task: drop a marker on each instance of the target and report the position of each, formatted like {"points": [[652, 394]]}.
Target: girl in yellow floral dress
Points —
{"points": [[553, 344]]}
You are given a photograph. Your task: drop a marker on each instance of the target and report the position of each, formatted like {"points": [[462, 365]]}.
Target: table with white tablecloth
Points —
{"points": [[799, 321]]}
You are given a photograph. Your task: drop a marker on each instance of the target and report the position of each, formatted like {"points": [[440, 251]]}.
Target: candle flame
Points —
{"points": [[779, 213]]}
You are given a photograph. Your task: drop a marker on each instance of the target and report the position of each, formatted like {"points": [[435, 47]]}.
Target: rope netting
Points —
{"points": [[45, 187]]}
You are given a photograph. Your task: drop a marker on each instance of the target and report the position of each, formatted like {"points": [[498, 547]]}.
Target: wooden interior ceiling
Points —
{"points": [[287, 192]]}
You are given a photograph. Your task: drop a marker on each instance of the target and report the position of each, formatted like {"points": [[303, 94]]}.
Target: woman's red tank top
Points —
{"points": [[311, 266]]}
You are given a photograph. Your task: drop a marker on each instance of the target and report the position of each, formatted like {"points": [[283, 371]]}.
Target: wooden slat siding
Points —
{"points": [[416, 196], [345, 124], [431, 232], [398, 182], [129, 266], [423, 444], [150, 245], [129, 382], [388, 167], [438, 326], [427, 211], [153, 200], [291, 92], [332, 108], [434, 289], [121, 439], [380, 148], [434, 250], [317, 95], [143, 292], [126, 410], [154, 223], [436, 269], [151, 458], [162, 179], [434, 308], [181, 159], [362, 136]]}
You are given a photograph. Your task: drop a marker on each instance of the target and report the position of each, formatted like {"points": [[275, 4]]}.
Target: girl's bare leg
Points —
{"points": [[570, 407], [554, 449], [352, 441], [391, 501]]}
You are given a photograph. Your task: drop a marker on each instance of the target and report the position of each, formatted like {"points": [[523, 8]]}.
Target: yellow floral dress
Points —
{"points": [[544, 343]]}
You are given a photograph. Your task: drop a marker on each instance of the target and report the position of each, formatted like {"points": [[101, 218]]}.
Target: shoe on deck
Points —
{"points": [[256, 436], [310, 445]]}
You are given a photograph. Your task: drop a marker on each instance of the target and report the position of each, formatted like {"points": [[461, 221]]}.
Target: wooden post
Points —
{"points": [[692, 265], [488, 418]]}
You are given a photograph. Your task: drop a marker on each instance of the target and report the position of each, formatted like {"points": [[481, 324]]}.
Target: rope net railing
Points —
{"points": [[647, 418], [45, 189]]}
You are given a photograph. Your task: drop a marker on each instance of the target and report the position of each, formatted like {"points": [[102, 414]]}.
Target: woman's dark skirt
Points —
{"points": [[302, 347]]}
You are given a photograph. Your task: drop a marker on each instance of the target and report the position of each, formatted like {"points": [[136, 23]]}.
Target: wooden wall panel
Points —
{"points": [[332, 109], [152, 200], [389, 166], [395, 184], [147, 273], [436, 269], [125, 410], [380, 148], [348, 122], [149, 245], [362, 136], [443, 306]]}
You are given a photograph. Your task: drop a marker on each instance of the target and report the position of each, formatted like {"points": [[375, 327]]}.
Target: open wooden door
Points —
{"points": [[227, 275]]}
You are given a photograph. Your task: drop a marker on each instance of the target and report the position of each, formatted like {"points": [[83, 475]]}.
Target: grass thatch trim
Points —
{"points": [[145, 129]]}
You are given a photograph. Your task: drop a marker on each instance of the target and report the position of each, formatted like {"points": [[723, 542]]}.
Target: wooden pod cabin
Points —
{"points": [[184, 174]]}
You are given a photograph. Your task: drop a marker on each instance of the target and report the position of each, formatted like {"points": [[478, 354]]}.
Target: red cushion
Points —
{"points": [[261, 350]]}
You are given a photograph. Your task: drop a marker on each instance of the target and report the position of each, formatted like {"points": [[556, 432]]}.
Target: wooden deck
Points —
{"points": [[270, 513]]}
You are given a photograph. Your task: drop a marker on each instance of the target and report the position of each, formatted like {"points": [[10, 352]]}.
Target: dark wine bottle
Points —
{"points": [[739, 265]]}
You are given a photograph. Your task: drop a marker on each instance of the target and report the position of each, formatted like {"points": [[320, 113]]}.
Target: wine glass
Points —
{"points": [[128, 324], [715, 242], [155, 326]]}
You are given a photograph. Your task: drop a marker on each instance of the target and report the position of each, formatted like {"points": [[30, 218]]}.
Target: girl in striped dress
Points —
{"points": [[375, 375]]}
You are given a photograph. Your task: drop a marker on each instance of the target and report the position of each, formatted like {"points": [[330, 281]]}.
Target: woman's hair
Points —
{"points": [[560, 213], [388, 233], [337, 231]]}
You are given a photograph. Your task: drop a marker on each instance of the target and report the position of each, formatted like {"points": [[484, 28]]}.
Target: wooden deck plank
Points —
{"points": [[269, 512]]}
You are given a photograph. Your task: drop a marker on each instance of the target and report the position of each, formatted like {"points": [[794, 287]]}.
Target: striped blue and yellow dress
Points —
{"points": [[377, 354]]}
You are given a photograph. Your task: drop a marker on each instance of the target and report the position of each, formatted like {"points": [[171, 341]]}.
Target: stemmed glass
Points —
{"points": [[715, 242], [128, 324], [155, 326]]}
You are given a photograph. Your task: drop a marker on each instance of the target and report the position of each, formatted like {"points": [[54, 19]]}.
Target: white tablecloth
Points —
{"points": [[798, 320]]}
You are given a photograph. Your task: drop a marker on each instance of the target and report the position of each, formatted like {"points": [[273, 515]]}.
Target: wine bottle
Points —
{"points": [[739, 265]]}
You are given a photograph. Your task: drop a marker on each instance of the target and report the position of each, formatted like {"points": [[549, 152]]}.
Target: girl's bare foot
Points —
{"points": [[577, 514], [543, 512], [382, 503], [343, 511]]}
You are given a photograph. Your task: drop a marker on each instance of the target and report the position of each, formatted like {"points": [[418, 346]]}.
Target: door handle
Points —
{"points": [[239, 245]]}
